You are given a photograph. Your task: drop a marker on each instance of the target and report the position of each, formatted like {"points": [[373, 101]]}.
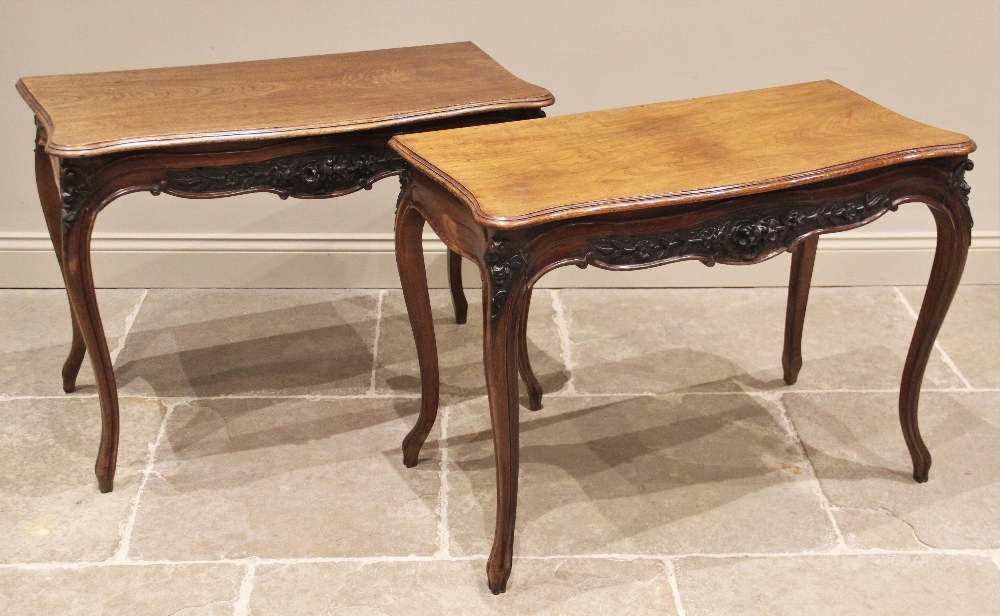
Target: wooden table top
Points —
{"points": [[524, 173], [99, 113]]}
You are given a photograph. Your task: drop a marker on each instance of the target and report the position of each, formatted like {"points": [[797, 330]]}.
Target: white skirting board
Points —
{"points": [[367, 261]]}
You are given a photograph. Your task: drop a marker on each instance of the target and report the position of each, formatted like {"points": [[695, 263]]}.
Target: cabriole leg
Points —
{"points": [[48, 194], [953, 238], [523, 362], [80, 284], [413, 276], [458, 300], [803, 258], [500, 337]]}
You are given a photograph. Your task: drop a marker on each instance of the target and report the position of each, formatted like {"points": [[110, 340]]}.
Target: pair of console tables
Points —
{"points": [[732, 179]]}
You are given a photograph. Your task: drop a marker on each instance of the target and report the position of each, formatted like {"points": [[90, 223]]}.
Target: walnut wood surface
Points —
{"points": [[100, 113], [517, 175]]}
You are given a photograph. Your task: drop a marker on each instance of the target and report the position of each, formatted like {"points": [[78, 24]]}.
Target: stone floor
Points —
{"points": [[670, 472]]}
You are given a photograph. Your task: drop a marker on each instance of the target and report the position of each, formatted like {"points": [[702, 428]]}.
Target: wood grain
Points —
{"points": [[526, 173], [100, 113]]}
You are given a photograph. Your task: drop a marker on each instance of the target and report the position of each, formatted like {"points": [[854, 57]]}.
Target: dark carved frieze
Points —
{"points": [[76, 185], [504, 262], [744, 238], [961, 187], [315, 174]]}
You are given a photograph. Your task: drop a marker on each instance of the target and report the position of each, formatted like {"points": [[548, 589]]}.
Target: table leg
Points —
{"points": [[953, 238], [413, 276], [523, 362], [455, 283], [48, 194], [80, 285], [803, 258], [461, 306], [500, 349]]}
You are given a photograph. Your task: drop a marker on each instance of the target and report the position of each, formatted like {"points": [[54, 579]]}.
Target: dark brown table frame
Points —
{"points": [[740, 230], [74, 190]]}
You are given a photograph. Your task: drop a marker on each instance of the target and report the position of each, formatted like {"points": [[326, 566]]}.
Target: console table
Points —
{"points": [[310, 127], [733, 179]]}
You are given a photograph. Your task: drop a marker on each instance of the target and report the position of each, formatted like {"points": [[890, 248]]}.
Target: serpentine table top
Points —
{"points": [[100, 113], [514, 175]]}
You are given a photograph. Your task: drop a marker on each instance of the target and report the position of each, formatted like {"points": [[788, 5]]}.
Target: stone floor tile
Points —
{"points": [[557, 586], [206, 342], [641, 475], [36, 333], [971, 331], [236, 478], [460, 347], [668, 340], [50, 507], [856, 446], [145, 590], [839, 585], [876, 529]]}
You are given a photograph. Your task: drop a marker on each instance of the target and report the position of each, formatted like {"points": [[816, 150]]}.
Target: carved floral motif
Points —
{"points": [[961, 187], [504, 262], [404, 183], [315, 174], [744, 238], [75, 186]]}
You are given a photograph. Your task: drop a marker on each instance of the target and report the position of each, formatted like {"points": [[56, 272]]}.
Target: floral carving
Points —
{"points": [[404, 183], [317, 174], [76, 185], [745, 238], [961, 187], [504, 262]]}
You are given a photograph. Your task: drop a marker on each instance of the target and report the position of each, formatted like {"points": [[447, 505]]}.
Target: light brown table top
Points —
{"points": [[99, 113], [528, 172]]}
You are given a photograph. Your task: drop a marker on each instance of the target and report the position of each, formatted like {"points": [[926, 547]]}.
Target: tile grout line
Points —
{"points": [[378, 331], [241, 607], [125, 531], [783, 391], [565, 344], [668, 563], [937, 345], [129, 321], [824, 502], [443, 538], [936, 552], [409, 396]]}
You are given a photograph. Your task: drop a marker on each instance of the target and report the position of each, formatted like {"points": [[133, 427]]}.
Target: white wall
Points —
{"points": [[936, 62]]}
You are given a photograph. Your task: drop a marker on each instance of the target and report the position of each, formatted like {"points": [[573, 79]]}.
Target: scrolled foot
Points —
{"points": [[411, 447], [497, 576], [791, 369], [105, 475], [534, 398], [921, 466]]}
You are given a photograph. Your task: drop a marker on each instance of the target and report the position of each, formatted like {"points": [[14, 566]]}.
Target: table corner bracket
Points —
{"points": [[961, 187], [504, 261]]}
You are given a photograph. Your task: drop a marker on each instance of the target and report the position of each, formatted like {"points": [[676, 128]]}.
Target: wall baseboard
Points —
{"points": [[367, 261]]}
